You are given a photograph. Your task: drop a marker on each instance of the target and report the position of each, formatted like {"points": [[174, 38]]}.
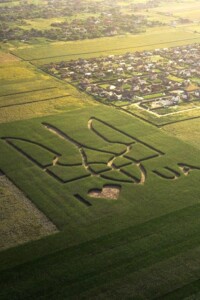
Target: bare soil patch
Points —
{"points": [[108, 192]]}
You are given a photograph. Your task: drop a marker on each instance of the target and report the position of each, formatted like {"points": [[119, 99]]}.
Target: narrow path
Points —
{"points": [[30, 91], [143, 173]]}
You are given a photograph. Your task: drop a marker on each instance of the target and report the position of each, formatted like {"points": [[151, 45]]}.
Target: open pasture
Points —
{"points": [[157, 181]]}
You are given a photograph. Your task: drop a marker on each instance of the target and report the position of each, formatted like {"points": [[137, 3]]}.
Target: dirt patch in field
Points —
{"points": [[108, 192], [7, 58], [20, 220]]}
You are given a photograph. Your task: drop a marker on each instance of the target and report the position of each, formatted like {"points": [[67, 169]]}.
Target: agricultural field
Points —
{"points": [[183, 131], [39, 94], [134, 158], [100, 150]]}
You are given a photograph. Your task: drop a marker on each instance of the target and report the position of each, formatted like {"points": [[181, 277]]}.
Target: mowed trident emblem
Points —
{"points": [[124, 165]]}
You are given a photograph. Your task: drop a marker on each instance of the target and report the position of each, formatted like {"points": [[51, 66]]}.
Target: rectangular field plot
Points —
{"points": [[26, 92], [20, 77], [10, 88], [183, 131], [21, 221], [32, 96]]}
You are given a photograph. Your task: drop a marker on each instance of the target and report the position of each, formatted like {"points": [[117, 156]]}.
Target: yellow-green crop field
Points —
{"points": [[192, 14], [19, 71], [27, 92]]}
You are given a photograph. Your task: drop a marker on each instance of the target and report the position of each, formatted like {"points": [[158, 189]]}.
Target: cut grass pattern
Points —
{"points": [[125, 166]]}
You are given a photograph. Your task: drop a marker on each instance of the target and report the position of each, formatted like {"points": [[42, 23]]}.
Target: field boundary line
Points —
{"points": [[30, 91], [179, 121], [31, 102]]}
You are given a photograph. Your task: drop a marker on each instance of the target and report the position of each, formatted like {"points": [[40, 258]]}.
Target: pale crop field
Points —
{"points": [[193, 15], [51, 107], [18, 72], [27, 92], [21, 221]]}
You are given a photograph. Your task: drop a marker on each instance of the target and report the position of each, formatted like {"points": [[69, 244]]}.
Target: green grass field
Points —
{"points": [[151, 229]]}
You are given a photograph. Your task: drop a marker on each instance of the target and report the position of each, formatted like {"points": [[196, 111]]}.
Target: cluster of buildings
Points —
{"points": [[153, 79]]}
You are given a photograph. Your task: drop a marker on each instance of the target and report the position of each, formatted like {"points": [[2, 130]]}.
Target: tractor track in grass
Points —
{"points": [[36, 101], [30, 91]]}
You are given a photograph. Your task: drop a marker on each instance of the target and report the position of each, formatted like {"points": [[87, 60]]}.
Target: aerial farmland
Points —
{"points": [[99, 149]]}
